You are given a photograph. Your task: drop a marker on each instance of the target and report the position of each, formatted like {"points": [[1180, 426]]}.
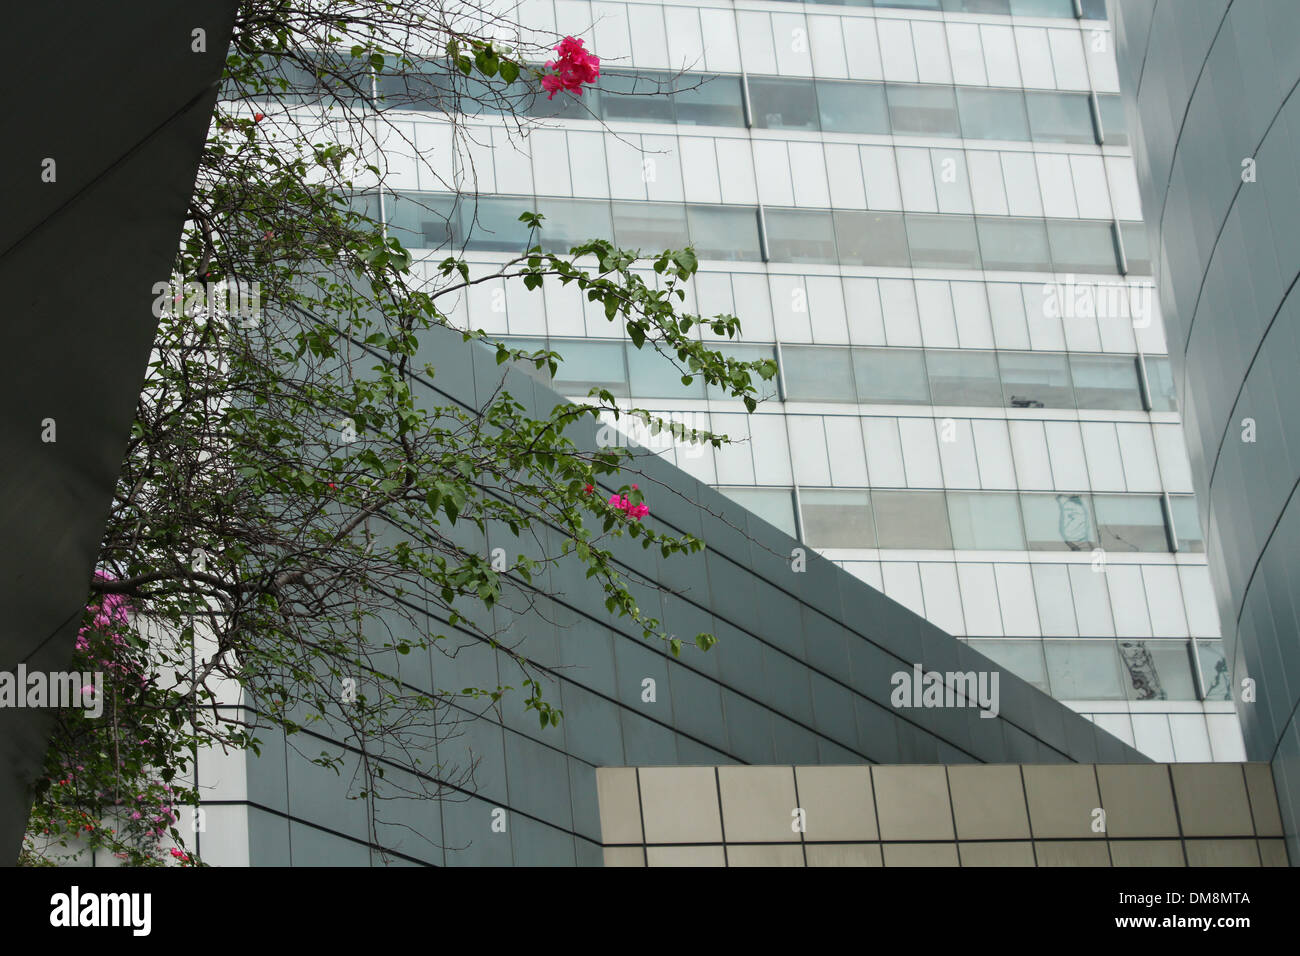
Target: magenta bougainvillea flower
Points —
{"points": [[625, 505], [573, 67]]}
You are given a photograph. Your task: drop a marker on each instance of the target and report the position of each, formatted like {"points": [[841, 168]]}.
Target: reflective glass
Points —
{"points": [[1187, 523], [911, 519], [891, 376], [570, 222], [1214, 670], [632, 97], [1160, 384], [837, 519], [587, 364], [1016, 245], [703, 100], [1130, 522], [650, 227], [1083, 670], [817, 373], [764, 388], [1024, 658], [963, 377], [800, 235], [1158, 670], [1059, 522], [782, 103], [992, 114], [493, 224], [1082, 246], [852, 107], [1060, 117], [1036, 380], [1106, 381], [729, 233], [655, 375], [773, 505], [942, 242], [985, 521], [871, 238], [1111, 107], [924, 110]]}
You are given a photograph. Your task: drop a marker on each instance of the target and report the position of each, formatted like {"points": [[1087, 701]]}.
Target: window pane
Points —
{"points": [[773, 505], [1058, 522], [852, 107], [587, 364], [922, 109], [702, 100], [891, 376], [911, 519], [1022, 658], [1130, 522], [633, 97], [1035, 380], [655, 375], [796, 235], [425, 220], [542, 374], [1106, 381], [1160, 384], [570, 222], [1136, 254], [837, 519], [1083, 670], [1187, 523], [992, 114], [1082, 246], [493, 224], [747, 353], [871, 238], [1017, 245], [943, 242], [729, 233], [985, 521], [1042, 8], [817, 373], [963, 377], [650, 227], [1060, 117], [1214, 670], [782, 104], [1158, 670], [977, 6], [1112, 119]]}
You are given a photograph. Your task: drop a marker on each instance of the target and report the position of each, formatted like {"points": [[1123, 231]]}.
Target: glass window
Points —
{"points": [[570, 222], [1106, 381], [817, 373], [1017, 245], [586, 364], [1082, 246], [1214, 670], [1022, 658], [800, 235], [493, 224], [977, 6], [852, 107], [992, 114], [1160, 384], [703, 100], [1111, 107], [650, 227], [1130, 522], [1136, 254], [765, 388], [782, 104], [530, 369], [634, 98], [654, 375], [924, 110], [984, 521], [837, 519], [425, 220], [1042, 8], [963, 377], [942, 242], [729, 233], [1094, 9], [1036, 380], [1083, 670], [911, 519], [1158, 670], [891, 376], [1059, 522], [871, 238], [773, 505], [1060, 117], [1187, 523]]}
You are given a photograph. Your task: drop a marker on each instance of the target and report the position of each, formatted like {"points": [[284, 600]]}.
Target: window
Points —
{"points": [[891, 376], [925, 110], [1036, 380], [837, 519], [493, 224], [773, 505], [871, 238], [992, 114], [815, 373], [1059, 522], [1130, 522], [800, 235], [570, 222], [1016, 245], [782, 104], [1160, 384], [1022, 658], [729, 233], [1187, 523], [977, 6], [1042, 8], [655, 375], [983, 521], [942, 242], [424, 220], [588, 364], [852, 107], [1136, 255], [632, 97], [1060, 117], [530, 369], [1081, 246], [1106, 381], [651, 227], [1111, 107], [964, 377], [1083, 670], [702, 100], [911, 519], [1158, 670], [764, 388], [1214, 670]]}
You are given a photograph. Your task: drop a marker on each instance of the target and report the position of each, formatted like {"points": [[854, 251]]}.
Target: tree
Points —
{"points": [[291, 499]]}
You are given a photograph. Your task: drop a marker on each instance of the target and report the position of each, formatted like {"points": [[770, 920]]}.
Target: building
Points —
{"points": [[1210, 88]]}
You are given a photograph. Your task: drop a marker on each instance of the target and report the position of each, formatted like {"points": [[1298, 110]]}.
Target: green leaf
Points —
{"points": [[509, 71]]}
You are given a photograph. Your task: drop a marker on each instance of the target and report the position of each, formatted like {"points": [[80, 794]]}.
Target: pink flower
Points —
{"points": [[573, 67]]}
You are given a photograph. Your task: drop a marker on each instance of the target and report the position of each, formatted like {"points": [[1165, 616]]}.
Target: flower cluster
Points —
{"points": [[633, 511], [573, 67]]}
